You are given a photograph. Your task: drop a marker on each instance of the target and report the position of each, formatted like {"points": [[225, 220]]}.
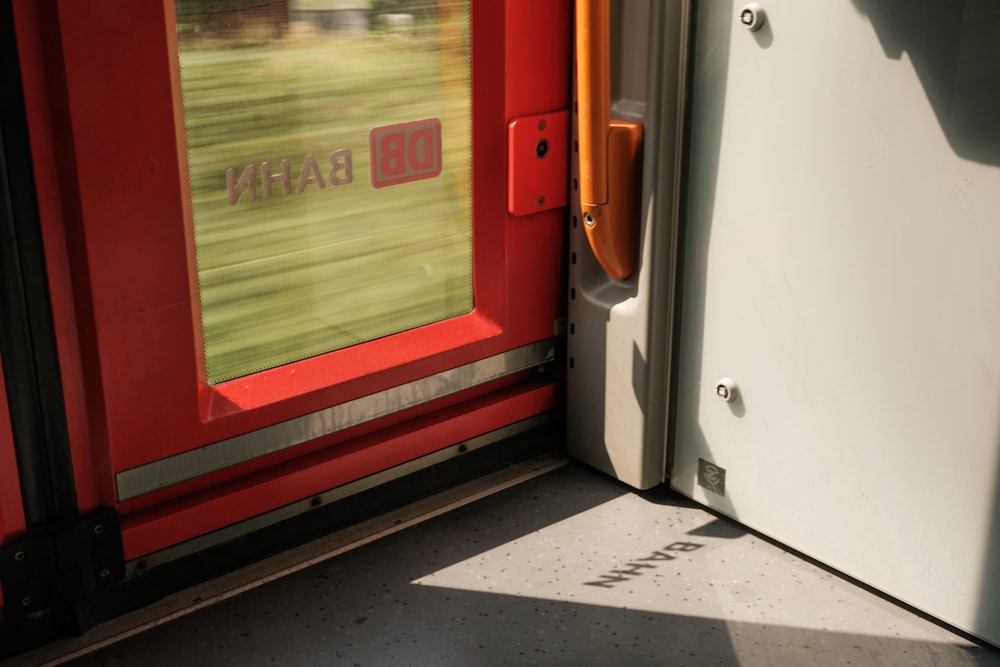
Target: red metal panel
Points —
{"points": [[536, 32], [344, 438], [106, 131], [538, 50], [163, 526], [40, 53]]}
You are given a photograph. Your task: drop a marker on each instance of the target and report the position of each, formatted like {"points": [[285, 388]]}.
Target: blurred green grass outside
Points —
{"points": [[293, 276]]}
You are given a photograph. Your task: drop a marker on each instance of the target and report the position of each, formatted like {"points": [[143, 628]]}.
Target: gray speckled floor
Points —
{"points": [[569, 568]]}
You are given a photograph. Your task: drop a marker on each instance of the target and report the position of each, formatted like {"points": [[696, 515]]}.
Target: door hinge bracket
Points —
{"points": [[60, 567], [538, 162]]}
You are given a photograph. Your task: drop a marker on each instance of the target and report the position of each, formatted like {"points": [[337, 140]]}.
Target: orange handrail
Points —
{"points": [[609, 149], [593, 49]]}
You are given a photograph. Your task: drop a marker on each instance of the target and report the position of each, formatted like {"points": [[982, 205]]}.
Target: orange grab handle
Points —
{"points": [[609, 150]]}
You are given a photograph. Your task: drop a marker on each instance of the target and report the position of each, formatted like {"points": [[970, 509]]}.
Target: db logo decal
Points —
{"points": [[405, 152]]}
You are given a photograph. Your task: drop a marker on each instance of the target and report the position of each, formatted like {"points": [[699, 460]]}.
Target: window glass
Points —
{"points": [[329, 152]]}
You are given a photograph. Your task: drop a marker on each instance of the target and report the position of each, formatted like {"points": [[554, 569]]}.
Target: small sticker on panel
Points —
{"points": [[711, 477]]}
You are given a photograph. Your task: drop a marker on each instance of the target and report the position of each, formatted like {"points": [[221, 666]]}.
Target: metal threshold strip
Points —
{"points": [[229, 533], [220, 455]]}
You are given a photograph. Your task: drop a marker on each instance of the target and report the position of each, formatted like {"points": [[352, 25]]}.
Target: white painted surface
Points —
{"points": [[843, 267], [618, 363]]}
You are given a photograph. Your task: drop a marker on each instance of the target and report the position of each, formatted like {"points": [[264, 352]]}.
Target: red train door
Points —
{"points": [[282, 250], [11, 510]]}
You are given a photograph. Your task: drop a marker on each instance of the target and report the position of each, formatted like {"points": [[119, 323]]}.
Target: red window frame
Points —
{"points": [[116, 221]]}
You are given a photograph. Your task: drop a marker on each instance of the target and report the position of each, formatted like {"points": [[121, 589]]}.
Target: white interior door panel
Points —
{"points": [[842, 267]]}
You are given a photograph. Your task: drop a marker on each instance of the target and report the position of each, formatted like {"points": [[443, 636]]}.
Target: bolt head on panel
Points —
{"points": [[752, 16], [726, 390]]}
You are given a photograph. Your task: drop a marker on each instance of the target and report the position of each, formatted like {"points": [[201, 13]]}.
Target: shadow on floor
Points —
{"points": [[509, 580]]}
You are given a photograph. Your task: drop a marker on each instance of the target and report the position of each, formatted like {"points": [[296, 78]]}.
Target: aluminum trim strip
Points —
{"points": [[188, 465], [228, 533]]}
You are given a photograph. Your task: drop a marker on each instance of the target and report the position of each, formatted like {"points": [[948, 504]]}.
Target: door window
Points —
{"points": [[329, 160]]}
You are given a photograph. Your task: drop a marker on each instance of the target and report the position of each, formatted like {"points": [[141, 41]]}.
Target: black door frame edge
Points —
{"points": [[27, 332]]}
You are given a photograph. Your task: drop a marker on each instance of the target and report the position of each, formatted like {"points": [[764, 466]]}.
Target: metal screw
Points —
{"points": [[726, 390], [541, 124], [98, 529], [26, 601], [19, 556], [541, 202], [588, 220], [752, 17], [105, 573]]}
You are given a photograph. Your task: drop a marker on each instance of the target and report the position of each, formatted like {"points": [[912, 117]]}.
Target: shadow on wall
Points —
{"points": [[954, 46], [708, 96]]}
